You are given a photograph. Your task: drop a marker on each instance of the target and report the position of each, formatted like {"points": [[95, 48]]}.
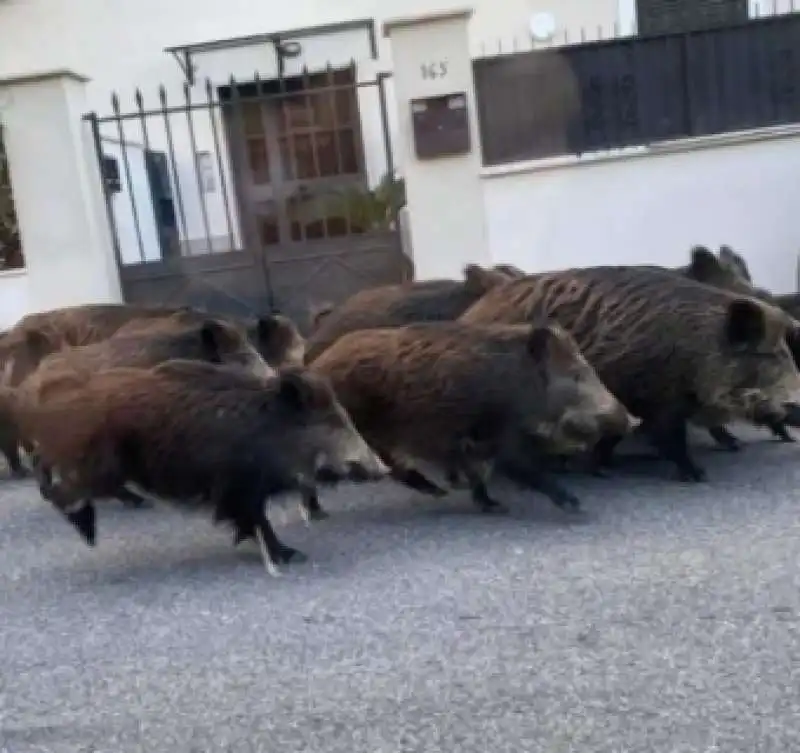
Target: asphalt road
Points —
{"points": [[667, 621]]}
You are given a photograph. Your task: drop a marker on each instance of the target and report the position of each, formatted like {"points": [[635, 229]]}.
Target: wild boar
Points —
{"points": [[726, 271], [668, 347], [88, 323], [209, 340], [196, 434], [462, 396], [275, 336], [730, 272], [407, 303]]}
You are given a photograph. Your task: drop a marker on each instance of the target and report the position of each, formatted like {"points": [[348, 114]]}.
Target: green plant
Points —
{"points": [[374, 209]]}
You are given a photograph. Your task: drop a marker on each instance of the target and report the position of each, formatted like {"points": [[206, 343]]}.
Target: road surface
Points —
{"points": [[667, 621]]}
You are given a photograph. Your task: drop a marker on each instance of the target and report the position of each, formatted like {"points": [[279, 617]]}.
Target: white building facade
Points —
{"points": [[190, 181]]}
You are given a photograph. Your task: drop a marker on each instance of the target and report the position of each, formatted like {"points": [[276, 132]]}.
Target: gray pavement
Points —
{"points": [[667, 621]]}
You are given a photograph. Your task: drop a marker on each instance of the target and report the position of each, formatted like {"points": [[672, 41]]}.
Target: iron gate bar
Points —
{"points": [[316, 230]]}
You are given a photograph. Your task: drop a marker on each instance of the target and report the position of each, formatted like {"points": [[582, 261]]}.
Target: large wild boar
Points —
{"points": [[193, 433], [669, 348], [407, 303], [210, 340], [461, 396], [275, 336], [729, 271]]}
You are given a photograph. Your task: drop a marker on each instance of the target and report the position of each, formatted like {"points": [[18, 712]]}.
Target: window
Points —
{"points": [[637, 91], [317, 129]]}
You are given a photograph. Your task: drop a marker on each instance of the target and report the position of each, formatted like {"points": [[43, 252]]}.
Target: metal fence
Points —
{"points": [[633, 91], [253, 195], [10, 242]]}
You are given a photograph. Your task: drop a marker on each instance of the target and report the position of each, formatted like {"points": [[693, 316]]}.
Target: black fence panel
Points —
{"points": [[636, 91]]}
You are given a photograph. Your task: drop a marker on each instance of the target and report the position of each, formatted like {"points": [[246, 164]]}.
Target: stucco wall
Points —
{"points": [[653, 208]]}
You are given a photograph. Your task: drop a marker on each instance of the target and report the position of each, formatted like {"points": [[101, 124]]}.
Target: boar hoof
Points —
{"points": [[289, 554], [691, 473], [310, 508], [781, 432], [566, 501], [492, 507], [137, 504], [453, 478], [725, 439]]}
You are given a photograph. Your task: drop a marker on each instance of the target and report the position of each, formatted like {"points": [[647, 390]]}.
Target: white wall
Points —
{"points": [[653, 208], [14, 297], [122, 203], [120, 46]]}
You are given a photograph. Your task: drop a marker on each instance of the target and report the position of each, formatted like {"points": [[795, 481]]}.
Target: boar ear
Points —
{"points": [[509, 270], [295, 391], [37, 344], [539, 341], [478, 280], [211, 336], [266, 326], [745, 323], [728, 256], [703, 264], [318, 313]]}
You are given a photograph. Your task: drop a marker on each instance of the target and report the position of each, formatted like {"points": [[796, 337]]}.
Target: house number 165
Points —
{"points": [[437, 69]]}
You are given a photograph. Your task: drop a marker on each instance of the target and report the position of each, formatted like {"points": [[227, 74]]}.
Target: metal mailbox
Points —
{"points": [[440, 125]]}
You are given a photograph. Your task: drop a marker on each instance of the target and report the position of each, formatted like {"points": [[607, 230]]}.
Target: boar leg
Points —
{"points": [[601, 457], [779, 429], [132, 499], [779, 421], [242, 503], [11, 452], [526, 470], [404, 473], [77, 508], [792, 417], [477, 473], [310, 508], [725, 439], [669, 436]]}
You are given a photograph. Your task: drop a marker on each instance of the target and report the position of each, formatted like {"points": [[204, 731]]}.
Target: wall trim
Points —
{"points": [[403, 22], [677, 146], [38, 77], [7, 273]]}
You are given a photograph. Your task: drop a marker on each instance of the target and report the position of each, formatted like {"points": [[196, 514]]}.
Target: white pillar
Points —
{"points": [[55, 176], [444, 195]]}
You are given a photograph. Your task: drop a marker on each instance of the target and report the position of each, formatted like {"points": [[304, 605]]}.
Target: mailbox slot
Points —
{"points": [[440, 125]]}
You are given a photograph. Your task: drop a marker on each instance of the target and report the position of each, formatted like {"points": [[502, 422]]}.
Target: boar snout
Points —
{"points": [[578, 429], [619, 422], [353, 459], [260, 369]]}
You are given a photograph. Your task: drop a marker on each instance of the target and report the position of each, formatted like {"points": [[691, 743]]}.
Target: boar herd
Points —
{"points": [[500, 373]]}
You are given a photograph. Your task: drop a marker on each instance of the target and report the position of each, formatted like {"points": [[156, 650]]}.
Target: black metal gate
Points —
{"points": [[255, 198]]}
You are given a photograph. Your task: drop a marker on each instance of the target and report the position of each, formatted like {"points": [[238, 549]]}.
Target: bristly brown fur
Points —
{"points": [[419, 391], [188, 431], [406, 303], [657, 340]]}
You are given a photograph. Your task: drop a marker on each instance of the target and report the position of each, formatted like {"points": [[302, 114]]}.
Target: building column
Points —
{"points": [[58, 196], [444, 194]]}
